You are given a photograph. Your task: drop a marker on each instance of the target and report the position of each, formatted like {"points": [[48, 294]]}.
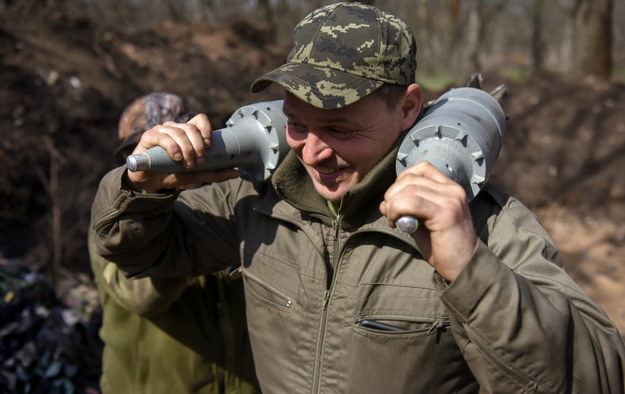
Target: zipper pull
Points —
{"points": [[326, 298], [235, 272], [438, 324]]}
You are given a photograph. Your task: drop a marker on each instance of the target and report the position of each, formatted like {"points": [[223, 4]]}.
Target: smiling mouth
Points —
{"points": [[328, 171], [329, 174]]}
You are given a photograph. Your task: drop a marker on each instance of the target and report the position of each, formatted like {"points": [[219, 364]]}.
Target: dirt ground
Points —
{"points": [[64, 82]]}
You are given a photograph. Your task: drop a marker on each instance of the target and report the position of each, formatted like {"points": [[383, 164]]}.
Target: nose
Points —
{"points": [[315, 149]]}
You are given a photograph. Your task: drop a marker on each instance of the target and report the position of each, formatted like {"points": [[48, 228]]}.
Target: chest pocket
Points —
{"points": [[393, 321]]}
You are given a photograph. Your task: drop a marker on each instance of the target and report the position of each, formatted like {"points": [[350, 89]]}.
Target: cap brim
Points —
{"points": [[132, 140], [321, 87]]}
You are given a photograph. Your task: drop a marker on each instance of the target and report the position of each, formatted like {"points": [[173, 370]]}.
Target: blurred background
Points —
{"points": [[69, 67]]}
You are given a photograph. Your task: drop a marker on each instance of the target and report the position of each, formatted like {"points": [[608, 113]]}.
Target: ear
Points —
{"points": [[411, 105]]}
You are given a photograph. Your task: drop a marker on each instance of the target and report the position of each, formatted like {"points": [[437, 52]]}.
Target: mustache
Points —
{"points": [[330, 167]]}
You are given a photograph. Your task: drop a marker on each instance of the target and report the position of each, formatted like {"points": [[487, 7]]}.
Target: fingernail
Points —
{"points": [[207, 142], [188, 163], [199, 161]]}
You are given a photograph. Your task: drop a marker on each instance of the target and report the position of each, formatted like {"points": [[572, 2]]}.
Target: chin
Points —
{"points": [[333, 191], [331, 195]]}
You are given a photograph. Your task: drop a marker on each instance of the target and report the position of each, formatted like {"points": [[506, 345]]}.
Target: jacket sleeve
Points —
{"points": [[161, 235], [523, 324], [147, 296]]}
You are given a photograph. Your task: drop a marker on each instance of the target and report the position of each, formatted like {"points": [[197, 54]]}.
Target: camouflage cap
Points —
{"points": [[148, 111], [343, 52]]}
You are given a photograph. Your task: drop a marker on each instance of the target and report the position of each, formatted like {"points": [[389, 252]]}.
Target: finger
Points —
{"points": [[199, 131], [412, 204], [183, 179], [192, 133], [202, 123], [154, 137], [424, 199], [188, 139], [151, 182], [412, 183], [427, 170]]}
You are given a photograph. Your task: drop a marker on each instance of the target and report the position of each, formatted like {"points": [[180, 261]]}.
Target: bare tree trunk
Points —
{"points": [[173, 11], [52, 186], [267, 13], [566, 50], [538, 45], [473, 36], [481, 15], [453, 35], [592, 51], [431, 46]]}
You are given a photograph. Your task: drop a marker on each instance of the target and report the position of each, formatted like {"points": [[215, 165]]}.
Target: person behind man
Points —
{"points": [[338, 299], [173, 335]]}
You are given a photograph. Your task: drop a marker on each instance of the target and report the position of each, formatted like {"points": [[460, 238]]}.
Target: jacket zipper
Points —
{"points": [[285, 300], [435, 323], [316, 386]]}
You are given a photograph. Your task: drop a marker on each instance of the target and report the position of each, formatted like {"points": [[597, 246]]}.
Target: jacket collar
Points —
{"points": [[358, 206]]}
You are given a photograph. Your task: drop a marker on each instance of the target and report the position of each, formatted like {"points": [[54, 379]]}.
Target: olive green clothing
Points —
{"points": [[173, 335], [513, 321]]}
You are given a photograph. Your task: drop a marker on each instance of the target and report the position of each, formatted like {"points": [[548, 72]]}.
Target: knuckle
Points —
{"points": [[178, 131], [168, 144], [458, 191], [201, 118]]}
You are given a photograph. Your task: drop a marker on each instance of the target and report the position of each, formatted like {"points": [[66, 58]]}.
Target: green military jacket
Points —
{"points": [[348, 305], [173, 335]]}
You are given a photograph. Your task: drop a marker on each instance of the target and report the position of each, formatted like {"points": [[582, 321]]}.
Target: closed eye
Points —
{"points": [[296, 127], [342, 133]]}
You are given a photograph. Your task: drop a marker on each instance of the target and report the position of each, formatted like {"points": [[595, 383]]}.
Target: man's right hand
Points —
{"points": [[186, 143], [445, 236]]}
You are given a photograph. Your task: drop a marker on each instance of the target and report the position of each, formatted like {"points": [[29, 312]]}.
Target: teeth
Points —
{"points": [[329, 170]]}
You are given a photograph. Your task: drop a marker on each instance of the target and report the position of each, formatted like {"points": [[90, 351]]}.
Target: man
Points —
{"points": [[338, 300], [173, 335]]}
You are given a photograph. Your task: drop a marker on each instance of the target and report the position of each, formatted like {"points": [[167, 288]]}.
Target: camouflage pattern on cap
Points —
{"points": [[148, 111], [342, 53], [164, 107]]}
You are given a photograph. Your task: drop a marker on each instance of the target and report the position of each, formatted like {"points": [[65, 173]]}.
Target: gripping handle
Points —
{"points": [[253, 142], [407, 224], [460, 134]]}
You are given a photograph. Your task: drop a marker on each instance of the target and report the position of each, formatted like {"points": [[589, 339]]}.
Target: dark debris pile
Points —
{"points": [[46, 345]]}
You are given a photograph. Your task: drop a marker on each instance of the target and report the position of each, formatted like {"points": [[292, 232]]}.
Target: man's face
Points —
{"points": [[338, 147]]}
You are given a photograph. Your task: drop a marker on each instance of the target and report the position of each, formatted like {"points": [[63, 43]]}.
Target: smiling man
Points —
{"points": [[338, 147], [339, 300]]}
